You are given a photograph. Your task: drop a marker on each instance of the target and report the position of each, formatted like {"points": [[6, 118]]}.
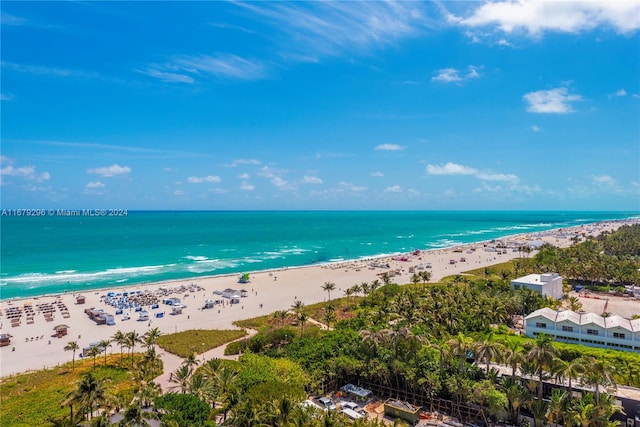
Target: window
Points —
{"points": [[618, 335], [541, 325], [567, 328], [592, 332]]}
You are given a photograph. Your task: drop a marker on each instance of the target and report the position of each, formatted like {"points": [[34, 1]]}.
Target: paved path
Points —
{"points": [[172, 362]]}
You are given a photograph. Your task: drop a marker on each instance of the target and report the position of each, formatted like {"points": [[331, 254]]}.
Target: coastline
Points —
{"points": [[367, 258], [33, 347], [97, 258]]}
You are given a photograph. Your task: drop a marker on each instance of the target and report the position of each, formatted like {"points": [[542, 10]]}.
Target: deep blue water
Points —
{"points": [[52, 254]]}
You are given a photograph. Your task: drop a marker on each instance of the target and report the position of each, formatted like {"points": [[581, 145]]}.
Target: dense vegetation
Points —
{"points": [[32, 399], [449, 341], [611, 259]]}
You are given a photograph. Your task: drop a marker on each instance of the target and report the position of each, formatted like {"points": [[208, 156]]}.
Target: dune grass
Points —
{"points": [[30, 399], [198, 340]]}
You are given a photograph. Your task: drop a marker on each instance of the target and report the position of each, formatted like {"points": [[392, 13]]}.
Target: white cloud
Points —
{"points": [[603, 180], [178, 193], [237, 162], [94, 184], [497, 177], [244, 176], [450, 169], [6, 97], [109, 171], [536, 128], [450, 193], [7, 19], [351, 187], [203, 179], [218, 190], [94, 188], [449, 75], [620, 93], [311, 180], [389, 147], [536, 17], [456, 169], [393, 189], [24, 172], [48, 71], [167, 169], [245, 186], [155, 71], [554, 101], [315, 29], [281, 183], [184, 69], [377, 174]]}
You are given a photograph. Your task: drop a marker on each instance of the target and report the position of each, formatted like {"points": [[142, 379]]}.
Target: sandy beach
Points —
{"points": [[33, 346]]}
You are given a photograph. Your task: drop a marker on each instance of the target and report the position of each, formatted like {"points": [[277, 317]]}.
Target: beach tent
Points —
{"points": [[61, 330], [5, 340]]}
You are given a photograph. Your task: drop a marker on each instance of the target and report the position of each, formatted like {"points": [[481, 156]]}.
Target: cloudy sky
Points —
{"points": [[331, 105]]}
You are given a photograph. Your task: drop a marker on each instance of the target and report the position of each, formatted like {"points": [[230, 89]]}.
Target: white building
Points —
{"points": [[548, 284], [589, 329]]}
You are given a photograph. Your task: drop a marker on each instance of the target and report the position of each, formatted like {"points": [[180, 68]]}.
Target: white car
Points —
{"points": [[327, 404], [126, 316]]}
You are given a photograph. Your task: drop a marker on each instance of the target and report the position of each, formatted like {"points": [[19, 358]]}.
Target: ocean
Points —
{"points": [[54, 254]]}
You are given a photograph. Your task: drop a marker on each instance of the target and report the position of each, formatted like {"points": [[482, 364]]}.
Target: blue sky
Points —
{"points": [[331, 105]]}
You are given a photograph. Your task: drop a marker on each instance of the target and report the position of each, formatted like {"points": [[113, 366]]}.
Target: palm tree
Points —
{"points": [[191, 361], [181, 378], [487, 350], [135, 415], [280, 315], [133, 337], [211, 367], [94, 352], [297, 306], [598, 374], [574, 304], [557, 405], [302, 318], [459, 346], [151, 361], [330, 315], [104, 344], [150, 338], [512, 355], [120, 338], [201, 387], [328, 287], [72, 346], [538, 408], [567, 371], [517, 395], [541, 354], [90, 391], [227, 388]]}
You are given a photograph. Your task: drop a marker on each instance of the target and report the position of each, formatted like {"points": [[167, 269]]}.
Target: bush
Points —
{"points": [[198, 341]]}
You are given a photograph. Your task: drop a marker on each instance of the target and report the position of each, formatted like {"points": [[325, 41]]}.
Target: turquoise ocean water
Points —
{"points": [[52, 254]]}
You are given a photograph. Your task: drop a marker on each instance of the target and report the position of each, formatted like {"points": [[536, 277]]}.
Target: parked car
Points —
{"points": [[327, 404]]}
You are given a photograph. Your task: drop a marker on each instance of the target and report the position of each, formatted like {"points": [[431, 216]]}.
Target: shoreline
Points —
{"points": [[509, 237], [34, 347]]}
